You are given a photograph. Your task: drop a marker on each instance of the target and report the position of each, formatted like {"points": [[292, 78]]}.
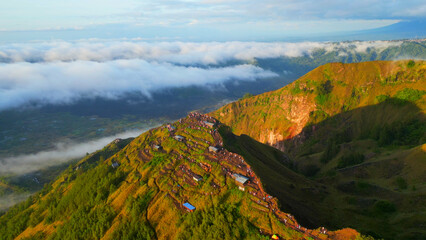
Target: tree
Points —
{"points": [[246, 95], [330, 152]]}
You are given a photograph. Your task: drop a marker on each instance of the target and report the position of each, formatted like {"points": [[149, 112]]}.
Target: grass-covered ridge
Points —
{"points": [[326, 91], [138, 193], [359, 129]]}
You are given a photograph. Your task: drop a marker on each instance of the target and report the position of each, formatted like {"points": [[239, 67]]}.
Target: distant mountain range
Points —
{"points": [[414, 29], [401, 30]]}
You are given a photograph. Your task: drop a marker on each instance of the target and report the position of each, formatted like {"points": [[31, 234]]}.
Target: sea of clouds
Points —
{"points": [[60, 72], [184, 53]]}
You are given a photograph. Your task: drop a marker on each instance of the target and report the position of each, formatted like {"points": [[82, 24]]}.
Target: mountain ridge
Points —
{"points": [[138, 192], [357, 128], [301, 98]]}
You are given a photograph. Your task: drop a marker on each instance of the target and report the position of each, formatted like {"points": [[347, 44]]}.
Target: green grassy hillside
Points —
{"points": [[326, 91], [356, 128], [139, 192]]}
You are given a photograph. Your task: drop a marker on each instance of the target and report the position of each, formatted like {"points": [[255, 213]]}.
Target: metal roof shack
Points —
{"points": [[213, 149], [189, 207], [240, 178], [209, 124], [157, 147], [179, 137], [197, 177], [115, 165], [170, 127]]}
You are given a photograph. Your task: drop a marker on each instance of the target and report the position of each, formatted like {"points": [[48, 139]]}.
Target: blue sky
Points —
{"points": [[205, 18]]}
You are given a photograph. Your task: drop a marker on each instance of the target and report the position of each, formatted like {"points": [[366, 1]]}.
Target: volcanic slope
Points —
{"points": [[141, 193], [357, 128]]}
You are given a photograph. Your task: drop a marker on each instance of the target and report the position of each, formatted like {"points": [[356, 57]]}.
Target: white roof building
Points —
{"points": [[240, 178]]}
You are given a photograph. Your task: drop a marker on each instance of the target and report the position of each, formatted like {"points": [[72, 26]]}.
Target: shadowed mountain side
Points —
{"points": [[391, 122], [375, 157], [369, 195], [296, 194]]}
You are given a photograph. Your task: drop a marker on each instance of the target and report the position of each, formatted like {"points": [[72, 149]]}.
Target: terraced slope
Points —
{"points": [[359, 129], [139, 192]]}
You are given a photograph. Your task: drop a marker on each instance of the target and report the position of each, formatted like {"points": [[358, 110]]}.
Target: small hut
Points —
{"points": [[179, 137], [189, 207], [209, 124], [157, 147], [197, 177], [240, 180], [170, 127], [213, 149]]}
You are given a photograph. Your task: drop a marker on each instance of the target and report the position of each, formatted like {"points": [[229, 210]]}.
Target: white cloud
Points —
{"points": [[65, 82], [8, 200], [63, 152], [62, 72], [172, 52]]}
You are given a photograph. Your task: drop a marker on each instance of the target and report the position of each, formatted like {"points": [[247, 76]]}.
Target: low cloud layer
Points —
{"points": [[63, 152], [61, 72], [186, 53], [8, 200], [65, 82]]}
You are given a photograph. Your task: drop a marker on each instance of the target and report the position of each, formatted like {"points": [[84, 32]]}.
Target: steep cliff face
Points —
{"points": [[281, 115]]}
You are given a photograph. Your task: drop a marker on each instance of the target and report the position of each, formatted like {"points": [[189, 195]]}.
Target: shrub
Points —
{"points": [[246, 95], [411, 64], [382, 98], [219, 222], [321, 99], [325, 88], [384, 207], [323, 92], [87, 223], [296, 89], [330, 152], [136, 229], [400, 133], [409, 94], [317, 116], [350, 160], [401, 183], [310, 170]]}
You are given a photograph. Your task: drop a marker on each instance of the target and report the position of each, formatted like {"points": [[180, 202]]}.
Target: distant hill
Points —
{"points": [[401, 30], [359, 128], [408, 29]]}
